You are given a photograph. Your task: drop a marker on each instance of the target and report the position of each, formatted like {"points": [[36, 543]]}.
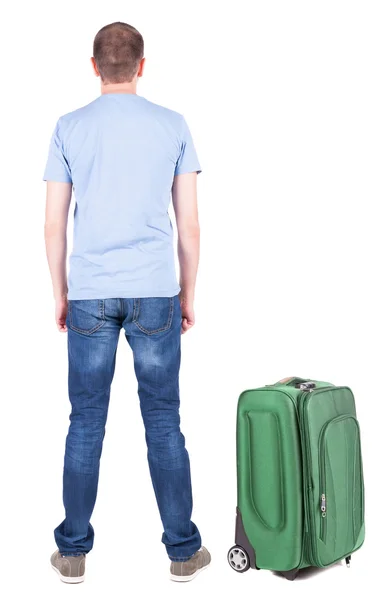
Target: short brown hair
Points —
{"points": [[118, 50]]}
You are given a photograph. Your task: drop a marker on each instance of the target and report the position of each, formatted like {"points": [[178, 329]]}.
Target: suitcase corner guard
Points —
{"points": [[242, 540]]}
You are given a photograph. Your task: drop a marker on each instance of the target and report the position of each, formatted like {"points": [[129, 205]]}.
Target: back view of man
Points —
{"points": [[124, 157]]}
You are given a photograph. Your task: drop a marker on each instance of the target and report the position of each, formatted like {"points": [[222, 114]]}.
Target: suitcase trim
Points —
{"points": [[242, 540]]}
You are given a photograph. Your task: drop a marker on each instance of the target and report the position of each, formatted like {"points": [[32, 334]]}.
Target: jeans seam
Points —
{"points": [[101, 309], [136, 309]]}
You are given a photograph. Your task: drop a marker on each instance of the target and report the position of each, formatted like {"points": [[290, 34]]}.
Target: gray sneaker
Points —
{"points": [[71, 569], [185, 571]]}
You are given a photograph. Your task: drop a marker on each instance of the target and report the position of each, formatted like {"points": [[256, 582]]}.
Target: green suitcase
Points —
{"points": [[299, 473]]}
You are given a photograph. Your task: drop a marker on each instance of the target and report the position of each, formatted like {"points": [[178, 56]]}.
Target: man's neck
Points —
{"points": [[119, 88]]}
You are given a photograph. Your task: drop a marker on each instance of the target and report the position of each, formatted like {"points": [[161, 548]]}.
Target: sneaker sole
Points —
{"points": [[185, 578], [68, 579]]}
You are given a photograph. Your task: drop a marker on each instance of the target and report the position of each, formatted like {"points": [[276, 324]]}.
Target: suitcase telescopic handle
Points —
{"points": [[297, 382]]}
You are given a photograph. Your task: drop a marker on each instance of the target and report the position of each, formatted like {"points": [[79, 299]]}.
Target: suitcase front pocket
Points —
{"points": [[340, 486]]}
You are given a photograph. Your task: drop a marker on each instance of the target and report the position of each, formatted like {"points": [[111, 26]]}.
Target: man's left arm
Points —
{"points": [[58, 198]]}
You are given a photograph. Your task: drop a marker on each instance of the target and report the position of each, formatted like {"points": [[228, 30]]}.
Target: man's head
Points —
{"points": [[118, 53]]}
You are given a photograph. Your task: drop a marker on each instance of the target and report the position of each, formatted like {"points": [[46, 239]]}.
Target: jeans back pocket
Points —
{"points": [[153, 315], [86, 316]]}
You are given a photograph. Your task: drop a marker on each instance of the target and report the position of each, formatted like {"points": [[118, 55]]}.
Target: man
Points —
{"points": [[123, 156]]}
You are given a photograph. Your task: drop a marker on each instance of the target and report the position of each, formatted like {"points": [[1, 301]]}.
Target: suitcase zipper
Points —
{"points": [[323, 507], [323, 518]]}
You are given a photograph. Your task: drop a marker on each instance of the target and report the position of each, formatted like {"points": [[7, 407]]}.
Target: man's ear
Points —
{"points": [[141, 67], [94, 65]]}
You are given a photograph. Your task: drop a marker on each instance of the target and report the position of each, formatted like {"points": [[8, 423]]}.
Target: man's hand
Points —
{"points": [[188, 315], [61, 312]]}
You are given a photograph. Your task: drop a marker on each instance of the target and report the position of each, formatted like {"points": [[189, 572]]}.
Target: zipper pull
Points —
{"points": [[323, 505]]}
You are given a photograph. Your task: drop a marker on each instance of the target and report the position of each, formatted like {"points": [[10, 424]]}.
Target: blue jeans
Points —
{"points": [[152, 327]]}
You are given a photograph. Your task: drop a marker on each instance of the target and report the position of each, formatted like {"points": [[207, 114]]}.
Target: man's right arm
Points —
{"points": [[58, 195], [58, 198], [184, 198]]}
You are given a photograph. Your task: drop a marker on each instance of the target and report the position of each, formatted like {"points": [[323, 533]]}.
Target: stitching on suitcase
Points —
{"points": [[361, 473], [349, 500], [281, 470], [282, 520], [331, 504], [357, 455], [354, 495]]}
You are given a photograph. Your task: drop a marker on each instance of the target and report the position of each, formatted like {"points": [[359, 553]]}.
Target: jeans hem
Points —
{"points": [[177, 559]]}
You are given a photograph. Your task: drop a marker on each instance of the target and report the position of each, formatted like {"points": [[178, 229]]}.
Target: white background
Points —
{"points": [[284, 103]]}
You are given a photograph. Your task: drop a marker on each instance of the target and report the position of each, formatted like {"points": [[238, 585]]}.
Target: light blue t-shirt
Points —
{"points": [[121, 153]]}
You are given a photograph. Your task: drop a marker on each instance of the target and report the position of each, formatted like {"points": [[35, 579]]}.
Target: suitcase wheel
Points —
{"points": [[238, 559]]}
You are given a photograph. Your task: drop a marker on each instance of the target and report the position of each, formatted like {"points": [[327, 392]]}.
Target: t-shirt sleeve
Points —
{"points": [[57, 167], [188, 160]]}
